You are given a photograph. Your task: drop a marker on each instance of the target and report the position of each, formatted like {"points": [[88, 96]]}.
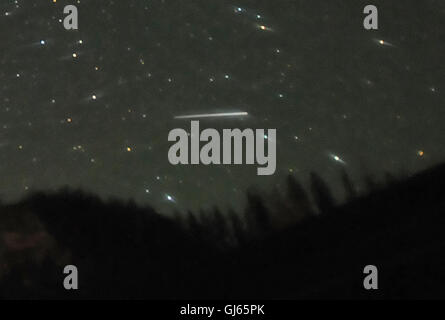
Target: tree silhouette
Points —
{"points": [[126, 251]]}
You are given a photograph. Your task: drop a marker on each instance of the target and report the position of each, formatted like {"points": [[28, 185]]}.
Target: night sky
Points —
{"points": [[92, 108]]}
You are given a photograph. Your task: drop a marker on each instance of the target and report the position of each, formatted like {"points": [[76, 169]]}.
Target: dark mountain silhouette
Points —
{"points": [[279, 248]]}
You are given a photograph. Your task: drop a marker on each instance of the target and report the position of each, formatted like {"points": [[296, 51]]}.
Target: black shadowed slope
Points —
{"points": [[277, 249]]}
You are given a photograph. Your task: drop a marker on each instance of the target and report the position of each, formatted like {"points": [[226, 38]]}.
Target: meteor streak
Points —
{"points": [[337, 158], [212, 115]]}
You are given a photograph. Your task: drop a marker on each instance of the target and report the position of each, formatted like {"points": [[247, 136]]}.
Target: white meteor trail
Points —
{"points": [[212, 115], [337, 158], [383, 42]]}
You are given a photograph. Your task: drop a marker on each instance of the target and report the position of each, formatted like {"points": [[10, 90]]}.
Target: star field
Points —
{"points": [[92, 108]]}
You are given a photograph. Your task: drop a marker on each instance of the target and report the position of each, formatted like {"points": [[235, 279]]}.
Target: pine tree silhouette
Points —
{"points": [[126, 251]]}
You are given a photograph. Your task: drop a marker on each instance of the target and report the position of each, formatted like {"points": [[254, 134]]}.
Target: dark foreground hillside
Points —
{"points": [[277, 249]]}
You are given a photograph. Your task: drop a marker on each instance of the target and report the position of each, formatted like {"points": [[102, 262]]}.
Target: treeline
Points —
{"points": [[296, 245]]}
